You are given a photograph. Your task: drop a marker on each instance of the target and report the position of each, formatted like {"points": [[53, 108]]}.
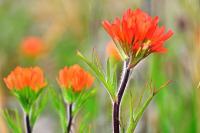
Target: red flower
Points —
{"points": [[75, 77], [21, 78], [137, 35], [32, 46]]}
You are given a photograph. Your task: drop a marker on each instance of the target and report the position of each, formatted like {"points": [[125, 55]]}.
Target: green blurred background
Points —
{"points": [[66, 26]]}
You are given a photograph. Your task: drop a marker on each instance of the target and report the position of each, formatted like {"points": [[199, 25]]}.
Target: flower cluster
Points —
{"points": [[137, 35], [27, 83], [21, 78], [75, 77]]}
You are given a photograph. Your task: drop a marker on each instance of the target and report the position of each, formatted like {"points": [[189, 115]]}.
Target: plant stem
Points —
{"points": [[70, 118], [121, 90], [28, 125]]}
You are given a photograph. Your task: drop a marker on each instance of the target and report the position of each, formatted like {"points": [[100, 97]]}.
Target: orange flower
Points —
{"points": [[32, 46], [21, 78], [112, 51], [75, 77]]}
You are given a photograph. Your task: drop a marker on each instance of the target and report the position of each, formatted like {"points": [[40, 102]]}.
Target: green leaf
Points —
{"points": [[138, 114], [69, 95], [96, 70], [141, 108], [115, 79], [130, 128], [95, 59], [100, 75], [108, 70], [38, 107], [84, 95], [59, 105], [84, 127], [14, 124], [27, 97]]}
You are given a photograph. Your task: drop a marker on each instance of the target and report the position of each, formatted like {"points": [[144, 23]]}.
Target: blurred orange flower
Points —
{"points": [[21, 78], [32, 46], [112, 51], [75, 77]]}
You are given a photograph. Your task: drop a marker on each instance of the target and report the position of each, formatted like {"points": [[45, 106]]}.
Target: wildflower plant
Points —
{"points": [[27, 85], [136, 36], [75, 84]]}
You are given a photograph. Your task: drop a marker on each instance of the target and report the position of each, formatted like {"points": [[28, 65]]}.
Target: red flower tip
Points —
{"points": [[75, 77], [21, 78], [137, 35]]}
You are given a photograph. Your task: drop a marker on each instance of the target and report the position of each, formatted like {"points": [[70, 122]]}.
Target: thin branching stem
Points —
{"points": [[121, 90]]}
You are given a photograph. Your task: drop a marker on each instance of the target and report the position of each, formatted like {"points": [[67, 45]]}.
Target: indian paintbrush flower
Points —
{"points": [[75, 77], [26, 84], [22, 78], [73, 81], [137, 35]]}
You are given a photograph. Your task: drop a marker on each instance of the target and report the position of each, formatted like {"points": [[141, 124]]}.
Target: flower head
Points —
{"points": [[32, 46], [75, 77], [112, 51], [21, 78], [137, 35]]}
